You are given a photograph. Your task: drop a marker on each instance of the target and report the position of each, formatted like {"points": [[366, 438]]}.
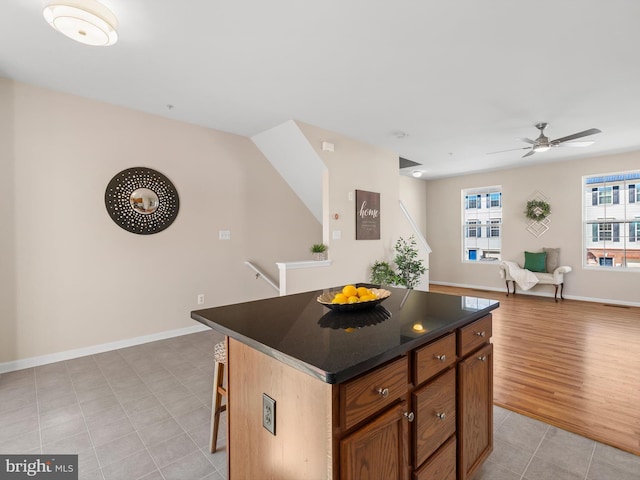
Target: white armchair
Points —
{"points": [[514, 273]]}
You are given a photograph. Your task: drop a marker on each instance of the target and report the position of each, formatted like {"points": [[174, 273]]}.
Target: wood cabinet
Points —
{"points": [[475, 424], [425, 415], [441, 465], [434, 407], [453, 404], [377, 450], [450, 409], [370, 393]]}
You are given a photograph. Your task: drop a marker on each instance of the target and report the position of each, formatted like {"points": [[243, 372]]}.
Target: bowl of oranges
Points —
{"points": [[352, 298]]}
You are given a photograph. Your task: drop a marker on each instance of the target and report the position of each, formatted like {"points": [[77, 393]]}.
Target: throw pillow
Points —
{"points": [[535, 262], [553, 258]]}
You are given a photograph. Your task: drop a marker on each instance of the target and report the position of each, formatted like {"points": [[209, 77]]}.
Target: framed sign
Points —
{"points": [[367, 215]]}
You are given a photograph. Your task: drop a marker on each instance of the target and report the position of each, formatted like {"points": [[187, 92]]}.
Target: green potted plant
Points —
{"points": [[382, 273], [409, 267], [319, 251]]}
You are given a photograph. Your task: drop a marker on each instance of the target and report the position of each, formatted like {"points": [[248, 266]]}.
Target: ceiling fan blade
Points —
{"points": [[586, 133], [528, 140], [529, 154], [573, 144], [510, 150]]}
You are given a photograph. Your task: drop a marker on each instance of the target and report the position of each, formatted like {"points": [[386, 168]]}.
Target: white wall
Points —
{"points": [[562, 183], [79, 279]]}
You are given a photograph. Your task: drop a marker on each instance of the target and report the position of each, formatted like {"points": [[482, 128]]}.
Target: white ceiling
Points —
{"points": [[461, 78]]}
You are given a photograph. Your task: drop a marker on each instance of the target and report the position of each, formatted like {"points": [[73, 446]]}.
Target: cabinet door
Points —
{"points": [[441, 466], [379, 450], [434, 406], [475, 416]]}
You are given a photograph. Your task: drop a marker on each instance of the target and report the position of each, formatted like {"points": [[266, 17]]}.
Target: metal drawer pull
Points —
{"points": [[441, 416], [384, 392], [483, 358], [479, 334], [442, 358], [410, 416]]}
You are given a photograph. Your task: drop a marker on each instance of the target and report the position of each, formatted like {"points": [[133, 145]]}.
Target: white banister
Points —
{"points": [[419, 235], [260, 273]]}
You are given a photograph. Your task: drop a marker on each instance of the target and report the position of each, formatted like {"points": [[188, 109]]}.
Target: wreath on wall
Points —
{"points": [[537, 210]]}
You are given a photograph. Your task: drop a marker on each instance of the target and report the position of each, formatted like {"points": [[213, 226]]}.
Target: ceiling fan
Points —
{"points": [[543, 143]]}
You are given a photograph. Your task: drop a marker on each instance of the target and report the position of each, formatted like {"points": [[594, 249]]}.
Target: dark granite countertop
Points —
{"points": [[334, 346]]}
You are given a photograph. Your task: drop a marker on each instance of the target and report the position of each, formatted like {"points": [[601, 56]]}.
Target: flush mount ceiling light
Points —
{"points": [[416, 173], [85, 21]]}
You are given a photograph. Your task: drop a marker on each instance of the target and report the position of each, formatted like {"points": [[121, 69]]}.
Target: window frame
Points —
{"points": [[611, 217], [481, 225]]}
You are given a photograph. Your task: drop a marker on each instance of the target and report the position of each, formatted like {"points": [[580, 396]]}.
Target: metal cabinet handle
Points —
{"points": [[410, 416], [483, 358], [480, 334], [441, 415], [442, 358], [383, 392]]}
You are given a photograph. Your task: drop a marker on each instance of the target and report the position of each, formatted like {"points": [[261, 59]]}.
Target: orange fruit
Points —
{"points": [[362, 291], [353, 299], [339, 298], [350, 291]]}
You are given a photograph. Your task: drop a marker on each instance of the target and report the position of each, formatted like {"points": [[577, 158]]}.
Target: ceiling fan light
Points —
{"points": [[541, 148], [85, 21]]}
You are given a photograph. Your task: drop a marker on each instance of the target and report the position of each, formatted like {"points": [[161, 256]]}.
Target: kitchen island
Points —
{"points": [[402, 390]]}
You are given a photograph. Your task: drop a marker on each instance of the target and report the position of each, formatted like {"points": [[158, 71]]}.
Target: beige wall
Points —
{"points": [[352, 166], [562, 183], [80, 280], [7, 220], [358, 166]]}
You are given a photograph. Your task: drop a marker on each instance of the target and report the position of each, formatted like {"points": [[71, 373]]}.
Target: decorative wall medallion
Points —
{"points": [[142, 200], [540, 209]]}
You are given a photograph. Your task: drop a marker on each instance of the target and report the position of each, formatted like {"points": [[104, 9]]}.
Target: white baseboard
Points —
{"points": [[608, 301], [104, 347]]}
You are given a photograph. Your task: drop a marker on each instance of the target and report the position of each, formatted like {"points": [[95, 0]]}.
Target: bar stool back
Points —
{"points": [[220, 356]]}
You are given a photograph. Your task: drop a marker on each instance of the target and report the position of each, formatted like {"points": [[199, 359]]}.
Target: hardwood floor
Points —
{"points": [[572, 364]]}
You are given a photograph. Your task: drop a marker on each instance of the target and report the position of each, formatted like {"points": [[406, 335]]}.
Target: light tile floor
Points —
{"points": [[144, 413]]}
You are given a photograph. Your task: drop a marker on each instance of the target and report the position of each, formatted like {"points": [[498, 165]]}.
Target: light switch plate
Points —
{"points": [[269, 413]]}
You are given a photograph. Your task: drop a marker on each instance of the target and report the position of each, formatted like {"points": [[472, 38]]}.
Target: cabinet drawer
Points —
{"points": [[434, 358], [442, 466], [366, 395], [434, 406], [474, 335]]}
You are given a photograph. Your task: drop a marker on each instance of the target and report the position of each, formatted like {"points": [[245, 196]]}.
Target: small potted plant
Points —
{"points": [[319, 251]]}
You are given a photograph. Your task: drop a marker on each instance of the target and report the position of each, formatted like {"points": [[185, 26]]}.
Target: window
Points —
{"points": [[634, 231], [604, 232], [606, 261], [482, 224], [495, 227], [611, 217], [473, 201], [473, 230]]}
